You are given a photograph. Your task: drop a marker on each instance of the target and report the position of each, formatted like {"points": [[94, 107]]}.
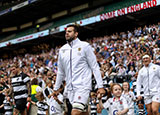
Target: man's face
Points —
{"points": [[70, 33], [146, 61], [140, 106], [14, 70]]}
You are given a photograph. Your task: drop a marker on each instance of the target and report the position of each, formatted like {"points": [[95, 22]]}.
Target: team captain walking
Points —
{"points": [[76, 63]]}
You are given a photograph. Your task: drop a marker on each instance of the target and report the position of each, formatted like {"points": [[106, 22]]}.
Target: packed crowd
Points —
{"points": [[119, 57]]}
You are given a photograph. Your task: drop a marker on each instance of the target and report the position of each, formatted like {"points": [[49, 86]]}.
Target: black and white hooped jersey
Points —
{"points": [[141, 112], [42, 108], [19, 85], [8, 107], [93, 106], [107, 82]]}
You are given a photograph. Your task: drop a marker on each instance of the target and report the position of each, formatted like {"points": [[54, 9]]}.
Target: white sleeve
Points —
{"points": [[159, 78], [60, 73], [159, 72], [138, 84], [91, 59]]}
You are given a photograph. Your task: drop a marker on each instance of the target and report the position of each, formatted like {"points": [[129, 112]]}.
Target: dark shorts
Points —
{"points": [[20, 104]]}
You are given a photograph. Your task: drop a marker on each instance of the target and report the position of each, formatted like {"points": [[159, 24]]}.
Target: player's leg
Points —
{"points": [[148, 104], [80, 102], [149, 108], [15, 111], [24, 112], [155, 108], [155, 104]]}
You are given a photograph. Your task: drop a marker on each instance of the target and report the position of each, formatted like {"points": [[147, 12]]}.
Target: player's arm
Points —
{"points": [[11, 92], [124, 111], [138, 87], [58, 101], [46, 112], [100, 104], [33, 103], [92, 62], [26, 80], [2, 106], [60, 74], [29, 88]]}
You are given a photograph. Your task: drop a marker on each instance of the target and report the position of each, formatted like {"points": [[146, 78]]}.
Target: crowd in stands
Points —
{"points": [[119, 56]]}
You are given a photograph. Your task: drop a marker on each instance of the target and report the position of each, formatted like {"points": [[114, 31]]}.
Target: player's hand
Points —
{"points": [[119, 113], [139, 98], [8, 98], [55, 93], [14, 103], [55, 98], [100, 92]]}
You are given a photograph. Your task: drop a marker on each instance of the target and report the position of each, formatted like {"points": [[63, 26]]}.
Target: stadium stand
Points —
{"points": [[4, 4]]}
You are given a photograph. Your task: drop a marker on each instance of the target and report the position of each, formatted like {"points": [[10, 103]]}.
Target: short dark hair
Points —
{"points": [[39, 96], [34, 81], [76, 28]]}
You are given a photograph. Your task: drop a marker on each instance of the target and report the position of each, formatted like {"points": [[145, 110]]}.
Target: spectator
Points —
{"points": [[42, 106], [21, 89], [48, 90], [35, 88], [56, 103], [131, 72], [7, 103], [129, 96], [117, 104]]}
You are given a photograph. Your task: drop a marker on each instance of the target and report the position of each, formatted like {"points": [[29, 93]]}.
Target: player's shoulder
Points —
{"points": [[84, 43], [141, 70], [65, 46], [155, 66]]}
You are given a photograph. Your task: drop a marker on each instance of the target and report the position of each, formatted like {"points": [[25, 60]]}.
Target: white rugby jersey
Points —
{"points": [[149, 77], [113, 105], [130, 98], [76, 63], [55, 107]]}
